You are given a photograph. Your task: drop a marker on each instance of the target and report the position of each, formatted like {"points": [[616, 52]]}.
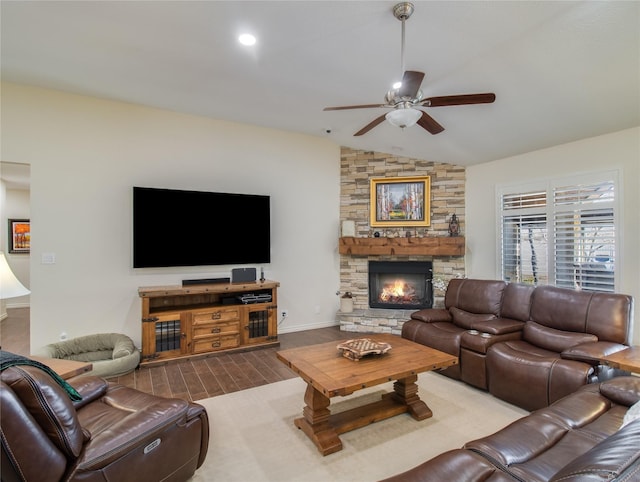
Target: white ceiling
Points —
{"points": [[561, 70]]}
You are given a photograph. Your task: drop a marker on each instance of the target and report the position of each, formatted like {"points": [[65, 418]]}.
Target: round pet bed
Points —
{"points": [[112, 354]]}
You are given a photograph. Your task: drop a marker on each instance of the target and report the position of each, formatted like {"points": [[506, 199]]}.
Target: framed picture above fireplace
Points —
{"points": [[400, 201]]}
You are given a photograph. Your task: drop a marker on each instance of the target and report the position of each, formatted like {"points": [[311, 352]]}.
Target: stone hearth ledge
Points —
{"points": [[374, 320]]}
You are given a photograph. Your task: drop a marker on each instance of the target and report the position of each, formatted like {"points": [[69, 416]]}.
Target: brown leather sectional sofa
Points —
{"points": [[529, 346], [113, 433], [578, 438]]}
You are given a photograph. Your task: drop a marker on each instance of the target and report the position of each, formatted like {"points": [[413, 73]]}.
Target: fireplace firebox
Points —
{"points": [[404, 285]]}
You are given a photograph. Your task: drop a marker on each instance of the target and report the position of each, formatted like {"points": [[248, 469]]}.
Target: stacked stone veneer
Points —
{"points": [[447, 197]]}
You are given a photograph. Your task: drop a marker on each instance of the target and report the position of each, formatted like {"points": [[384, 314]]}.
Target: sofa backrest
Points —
{"points": [[39, 423], [475, 296], [606, 315], [516, 301]]}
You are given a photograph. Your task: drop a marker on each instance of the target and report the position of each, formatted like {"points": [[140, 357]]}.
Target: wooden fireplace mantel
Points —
{"points": [[429, 246]]}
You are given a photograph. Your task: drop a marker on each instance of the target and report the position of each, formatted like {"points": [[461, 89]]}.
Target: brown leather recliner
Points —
{"points": [[471, 307], [562, 345], [113, 433]]}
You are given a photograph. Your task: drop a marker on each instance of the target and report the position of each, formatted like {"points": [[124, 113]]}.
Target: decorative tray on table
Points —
{"points": [[360, 347]]}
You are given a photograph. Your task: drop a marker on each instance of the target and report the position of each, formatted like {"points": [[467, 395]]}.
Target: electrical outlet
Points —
{"points": [[285, 313]]}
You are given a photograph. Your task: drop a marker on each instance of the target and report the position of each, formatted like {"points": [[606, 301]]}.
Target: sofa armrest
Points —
{"points": [[591, 352], [89, 387], [622, 390], [429, 315], [499, 326]]}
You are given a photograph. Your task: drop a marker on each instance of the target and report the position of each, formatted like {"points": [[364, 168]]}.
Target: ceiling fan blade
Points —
{"points": [[429, 123], [411, 81], [364, 106], [462, 99], [370, 125]]}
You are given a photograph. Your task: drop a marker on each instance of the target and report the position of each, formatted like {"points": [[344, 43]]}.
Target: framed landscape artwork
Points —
{"points": [[400, 202], [19, 236]]}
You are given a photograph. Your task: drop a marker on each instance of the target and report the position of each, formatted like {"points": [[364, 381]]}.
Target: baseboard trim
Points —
{"points": [[308, 326]]}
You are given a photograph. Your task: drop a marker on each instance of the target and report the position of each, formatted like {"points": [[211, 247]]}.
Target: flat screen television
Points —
{"points": [[196, 228]]}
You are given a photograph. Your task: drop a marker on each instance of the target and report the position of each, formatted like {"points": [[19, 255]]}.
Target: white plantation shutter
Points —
{"points": [[524, 237], [585, 236], [564, 234]]}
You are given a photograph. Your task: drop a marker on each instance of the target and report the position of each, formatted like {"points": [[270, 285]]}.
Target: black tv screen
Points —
{"points": [[196, 228]]}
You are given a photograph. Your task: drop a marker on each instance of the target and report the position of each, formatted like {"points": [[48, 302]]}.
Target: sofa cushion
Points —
{"points": [[469, 320], [516, 302], [465, 464], [610, 317], [475, 296], [615, 458], [552, 339], [560, 308], [431, 314]]}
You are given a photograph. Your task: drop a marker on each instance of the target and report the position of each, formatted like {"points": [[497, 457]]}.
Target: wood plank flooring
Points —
{"points": [[192, 379]]}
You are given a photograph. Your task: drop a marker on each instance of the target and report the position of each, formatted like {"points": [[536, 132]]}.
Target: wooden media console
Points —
{"points": [[186, 321]]}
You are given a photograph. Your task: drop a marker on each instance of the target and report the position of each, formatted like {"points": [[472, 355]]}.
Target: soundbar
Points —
{"points": [[208, 281]]}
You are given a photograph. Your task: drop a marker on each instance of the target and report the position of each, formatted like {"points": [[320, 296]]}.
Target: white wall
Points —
{"points": [[85, 156], [619, 150]]}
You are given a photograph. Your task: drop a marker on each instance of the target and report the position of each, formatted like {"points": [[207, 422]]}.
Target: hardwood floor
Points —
{"points": [[192, 379]]}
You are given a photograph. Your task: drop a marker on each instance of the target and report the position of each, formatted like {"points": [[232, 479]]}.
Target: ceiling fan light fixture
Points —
{"points": [[405, 117]]}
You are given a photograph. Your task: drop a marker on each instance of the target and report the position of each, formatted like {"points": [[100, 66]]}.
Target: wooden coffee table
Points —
{"points": [[329, 374]]}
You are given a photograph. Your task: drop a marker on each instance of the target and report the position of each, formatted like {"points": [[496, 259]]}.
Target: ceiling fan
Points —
{"points": [[406, 96]]}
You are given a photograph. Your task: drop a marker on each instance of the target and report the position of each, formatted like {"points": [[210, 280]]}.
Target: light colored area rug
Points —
{"points": [[253, 437]]}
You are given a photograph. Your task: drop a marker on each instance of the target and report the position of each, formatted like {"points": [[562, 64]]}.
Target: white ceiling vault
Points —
{"points": [[561, 70]]}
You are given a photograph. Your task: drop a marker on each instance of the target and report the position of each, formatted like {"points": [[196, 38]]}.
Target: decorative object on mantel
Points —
{"points": [[346, 302], [348, 228], [400, 201], [440, 284], [360, 347], [454, 226], [403, 246]]}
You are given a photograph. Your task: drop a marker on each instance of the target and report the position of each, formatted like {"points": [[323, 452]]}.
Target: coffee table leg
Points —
{"points": [[405, 390], [315, 422]]}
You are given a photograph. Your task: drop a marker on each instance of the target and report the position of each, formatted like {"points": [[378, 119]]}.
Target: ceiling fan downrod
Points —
{"points": [[402, 11]]}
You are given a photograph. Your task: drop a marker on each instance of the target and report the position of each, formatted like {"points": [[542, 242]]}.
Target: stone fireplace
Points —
{"points": [[447, 197], [404, 285]]}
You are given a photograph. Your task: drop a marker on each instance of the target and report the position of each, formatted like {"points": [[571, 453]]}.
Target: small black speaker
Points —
{"points": [[243, 275]]}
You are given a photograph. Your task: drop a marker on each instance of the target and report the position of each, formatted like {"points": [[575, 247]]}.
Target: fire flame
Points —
{"points": [[397, 290]]}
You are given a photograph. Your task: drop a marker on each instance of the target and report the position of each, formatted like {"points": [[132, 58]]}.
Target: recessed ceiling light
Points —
{"points": [[247, 39]]}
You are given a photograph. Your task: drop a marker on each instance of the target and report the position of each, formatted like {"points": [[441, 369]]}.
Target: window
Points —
{"points": [[561, 233]]}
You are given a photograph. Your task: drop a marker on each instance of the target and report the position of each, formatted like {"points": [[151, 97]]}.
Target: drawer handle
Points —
{"points": [[215, 344], [216, 330], [216, 316]]}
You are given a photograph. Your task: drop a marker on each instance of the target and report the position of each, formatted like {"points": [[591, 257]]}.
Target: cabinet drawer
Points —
{"points": [[209, 329], [219, 314], [213, 343]]}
